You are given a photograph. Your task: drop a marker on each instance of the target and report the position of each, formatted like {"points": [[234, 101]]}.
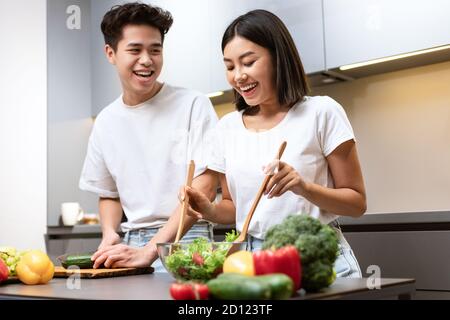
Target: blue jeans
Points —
{"points": [[346, 265], [140, 237]]}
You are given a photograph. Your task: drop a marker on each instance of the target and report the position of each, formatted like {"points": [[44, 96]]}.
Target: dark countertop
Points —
{"points": [[156, 287], [398, 218], [84, 230], [440, 218]]}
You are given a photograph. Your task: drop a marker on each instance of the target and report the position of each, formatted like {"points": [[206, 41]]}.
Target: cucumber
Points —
{"points": [[232, 275], [238, 289], [281, 286], [82, 260]]}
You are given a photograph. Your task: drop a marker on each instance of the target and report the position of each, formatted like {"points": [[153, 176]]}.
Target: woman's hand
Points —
{"points": [[286, 179], [200, 206], [122, 256]]}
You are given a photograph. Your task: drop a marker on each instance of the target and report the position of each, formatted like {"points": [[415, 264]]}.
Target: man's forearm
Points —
{"points": [[110, 211]]}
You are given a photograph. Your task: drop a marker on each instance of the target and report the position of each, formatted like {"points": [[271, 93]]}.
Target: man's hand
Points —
{"points": [[109, 239], [123, 256]]}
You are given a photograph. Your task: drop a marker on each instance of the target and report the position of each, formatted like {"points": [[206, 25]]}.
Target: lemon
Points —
{"points": [[239, 262]]}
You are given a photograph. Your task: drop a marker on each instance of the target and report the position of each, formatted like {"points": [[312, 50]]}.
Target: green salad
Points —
{"points": [[201, 259]]}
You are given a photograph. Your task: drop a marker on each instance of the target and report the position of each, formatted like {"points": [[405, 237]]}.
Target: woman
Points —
{"points": [[319, 173]]}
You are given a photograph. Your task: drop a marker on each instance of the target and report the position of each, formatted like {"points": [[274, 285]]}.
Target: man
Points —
{"points": [[141, 143]]}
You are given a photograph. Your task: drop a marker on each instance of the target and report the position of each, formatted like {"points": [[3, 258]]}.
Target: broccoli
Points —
{"points": [[279, 236], [317, 275], [316, 243]]}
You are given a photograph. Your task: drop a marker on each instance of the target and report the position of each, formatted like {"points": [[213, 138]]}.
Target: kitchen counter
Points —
{"points": [[91, 230], [156, 287], [398, 218], [405, 221], [407, 245], [429, 219]]}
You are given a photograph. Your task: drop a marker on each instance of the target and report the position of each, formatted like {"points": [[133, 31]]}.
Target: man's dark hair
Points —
{"points": [[134, 13], [267, 30]]}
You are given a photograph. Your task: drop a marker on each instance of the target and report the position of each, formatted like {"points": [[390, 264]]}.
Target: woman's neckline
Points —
{"points": [[275, 127]]}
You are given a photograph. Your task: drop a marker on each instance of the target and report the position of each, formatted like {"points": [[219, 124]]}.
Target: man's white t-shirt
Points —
{"points": [[312, 128], [140, 154]]}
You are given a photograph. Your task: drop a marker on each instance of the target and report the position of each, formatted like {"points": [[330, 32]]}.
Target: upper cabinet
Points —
{"points": [[192, 48], [303, 18], [104, 80], [328, 34], [187, 50], [69, 90], [357, 31]]}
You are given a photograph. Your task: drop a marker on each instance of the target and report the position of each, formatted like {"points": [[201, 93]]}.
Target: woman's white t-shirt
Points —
{"points": [[140, 154], [312, 128]]}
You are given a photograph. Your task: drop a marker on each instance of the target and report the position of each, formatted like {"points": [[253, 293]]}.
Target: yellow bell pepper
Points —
{"points": [[239, 262], [35, 267]]}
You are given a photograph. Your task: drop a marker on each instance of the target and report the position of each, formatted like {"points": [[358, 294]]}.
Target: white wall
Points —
{"points": [[23, 124]]}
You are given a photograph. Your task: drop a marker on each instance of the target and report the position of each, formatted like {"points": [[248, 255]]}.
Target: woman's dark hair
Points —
{"points": [[267, 30], [134, 13]]}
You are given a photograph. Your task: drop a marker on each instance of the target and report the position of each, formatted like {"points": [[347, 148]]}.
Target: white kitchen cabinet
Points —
{"points": [[186, 45], [186, 50], [303, 18], [105, 83], [192, 48], [357, 31]]}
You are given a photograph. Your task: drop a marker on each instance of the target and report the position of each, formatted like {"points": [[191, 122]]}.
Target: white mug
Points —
{"points": [[71, 213]]}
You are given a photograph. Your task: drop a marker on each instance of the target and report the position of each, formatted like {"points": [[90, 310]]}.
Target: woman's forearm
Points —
{"points": [[205, 183], [224, 212], [341, 201]]}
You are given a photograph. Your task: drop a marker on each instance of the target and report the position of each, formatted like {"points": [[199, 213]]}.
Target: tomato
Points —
{"points": [[189, 291], [202, 290], [239, 262], [4, 272], [197, 259]]}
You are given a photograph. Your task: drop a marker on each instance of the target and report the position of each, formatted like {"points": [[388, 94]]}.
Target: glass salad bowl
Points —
{"points": [[199, 259]]}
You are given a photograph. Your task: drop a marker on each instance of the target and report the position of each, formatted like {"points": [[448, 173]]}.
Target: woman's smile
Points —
{"points": [[248, 90]]}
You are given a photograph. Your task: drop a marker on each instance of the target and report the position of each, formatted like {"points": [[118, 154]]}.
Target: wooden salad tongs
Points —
{"points": [[242, 237], [185, 203]]}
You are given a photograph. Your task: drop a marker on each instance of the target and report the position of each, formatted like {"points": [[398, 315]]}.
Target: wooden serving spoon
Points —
{"points": [[243, 234], [185, 203]]}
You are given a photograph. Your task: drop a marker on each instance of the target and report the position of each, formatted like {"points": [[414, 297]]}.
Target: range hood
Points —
{"points": [[365, 69], [378, 66]]}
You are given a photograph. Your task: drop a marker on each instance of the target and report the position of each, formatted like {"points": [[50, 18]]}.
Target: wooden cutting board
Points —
{"points": [[61, 272]]}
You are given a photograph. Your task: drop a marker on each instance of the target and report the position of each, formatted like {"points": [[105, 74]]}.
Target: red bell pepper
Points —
{"points": [[284, 260], [189, 291]]}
